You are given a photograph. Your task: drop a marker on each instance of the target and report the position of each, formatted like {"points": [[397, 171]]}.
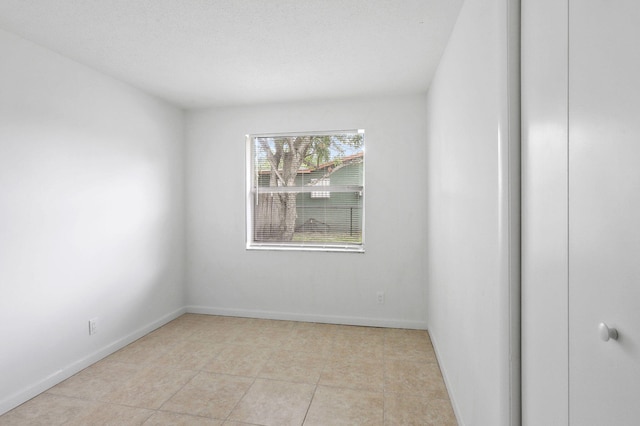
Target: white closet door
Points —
{"points": [[604, 211]]}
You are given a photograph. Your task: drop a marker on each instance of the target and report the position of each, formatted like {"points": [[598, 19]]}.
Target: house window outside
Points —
{"points": [[285, 209], [321, 194]]}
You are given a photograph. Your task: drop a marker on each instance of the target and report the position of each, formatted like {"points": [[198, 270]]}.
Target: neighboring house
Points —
{"points": [[329, 209]]}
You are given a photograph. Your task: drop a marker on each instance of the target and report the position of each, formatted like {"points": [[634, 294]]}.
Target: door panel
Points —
{"points": [[604, 211]]}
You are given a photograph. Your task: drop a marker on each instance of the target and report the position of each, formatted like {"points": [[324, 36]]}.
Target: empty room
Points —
{"points": [[319, 212]]}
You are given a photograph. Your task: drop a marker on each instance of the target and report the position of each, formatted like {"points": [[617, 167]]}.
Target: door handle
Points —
{"points": [[607, 333]]}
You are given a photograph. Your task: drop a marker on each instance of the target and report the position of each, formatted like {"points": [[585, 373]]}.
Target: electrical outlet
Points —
{"points": [[93, 326], [380, 297]]}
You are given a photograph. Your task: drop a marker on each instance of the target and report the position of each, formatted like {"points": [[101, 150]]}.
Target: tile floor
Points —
{"points": [[212, 370]]}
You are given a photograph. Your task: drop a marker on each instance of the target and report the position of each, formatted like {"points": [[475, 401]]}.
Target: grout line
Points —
{"points": [[315, 388], [240, 400], [182, 387]]}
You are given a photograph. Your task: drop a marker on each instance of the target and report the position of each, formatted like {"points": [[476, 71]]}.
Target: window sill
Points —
{"points": [[319, 247]]}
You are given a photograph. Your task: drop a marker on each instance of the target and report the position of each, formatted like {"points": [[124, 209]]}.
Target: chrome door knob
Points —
{"points": [[607, 333]]}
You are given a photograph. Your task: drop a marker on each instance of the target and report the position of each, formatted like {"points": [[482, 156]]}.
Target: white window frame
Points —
{"points": [[297, 246]]}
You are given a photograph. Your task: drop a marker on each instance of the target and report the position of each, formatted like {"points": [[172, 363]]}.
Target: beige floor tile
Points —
{"points": [[150, 387], [174, 419], [371, 334], [401, 334], [236, 321], [240, 360], [410, 351], [416, 378], [194, 320], [317, 329], [408, 410], [293, 367], [205, 328], [266, 323], [233, 323], [409, 345], [263, 336], [215, 370], [274, 403], [219, 331], [190, 354], [209, 395], [144, 350], [318, 345], [48, 410], [360, 374], [312, 337], [357, 349], [174, 331], [111, 414], [441, 412], [215, 335], [338, 406], [96, 380]]}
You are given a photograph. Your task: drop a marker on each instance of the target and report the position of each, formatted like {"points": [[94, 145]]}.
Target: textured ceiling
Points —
{"points": [[198, 53]]}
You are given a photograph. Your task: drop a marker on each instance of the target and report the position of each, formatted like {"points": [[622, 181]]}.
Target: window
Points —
{"points": [[321, 194], [306, 191]]}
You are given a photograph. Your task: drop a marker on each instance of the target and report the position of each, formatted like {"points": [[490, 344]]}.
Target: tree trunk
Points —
{"points": [[276, 213], [267, 219], [289, 216]]}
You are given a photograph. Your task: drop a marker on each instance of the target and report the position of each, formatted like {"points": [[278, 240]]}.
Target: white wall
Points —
{"points": [[472, 237], [91, 216], [545, 269], [225, 278]]}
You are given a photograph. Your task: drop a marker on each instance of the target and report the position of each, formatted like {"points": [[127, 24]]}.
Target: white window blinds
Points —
{"points": [[306, 190]]}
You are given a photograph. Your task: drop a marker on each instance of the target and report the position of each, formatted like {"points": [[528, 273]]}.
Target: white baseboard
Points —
{"points": [[447, 383], [64, 373], [292, 316]]}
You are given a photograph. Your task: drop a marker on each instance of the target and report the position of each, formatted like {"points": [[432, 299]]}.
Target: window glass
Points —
{"points": [[306, 191]]}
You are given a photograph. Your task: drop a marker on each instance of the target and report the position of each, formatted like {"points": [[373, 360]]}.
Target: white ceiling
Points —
{"points": [[198, 53]]}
